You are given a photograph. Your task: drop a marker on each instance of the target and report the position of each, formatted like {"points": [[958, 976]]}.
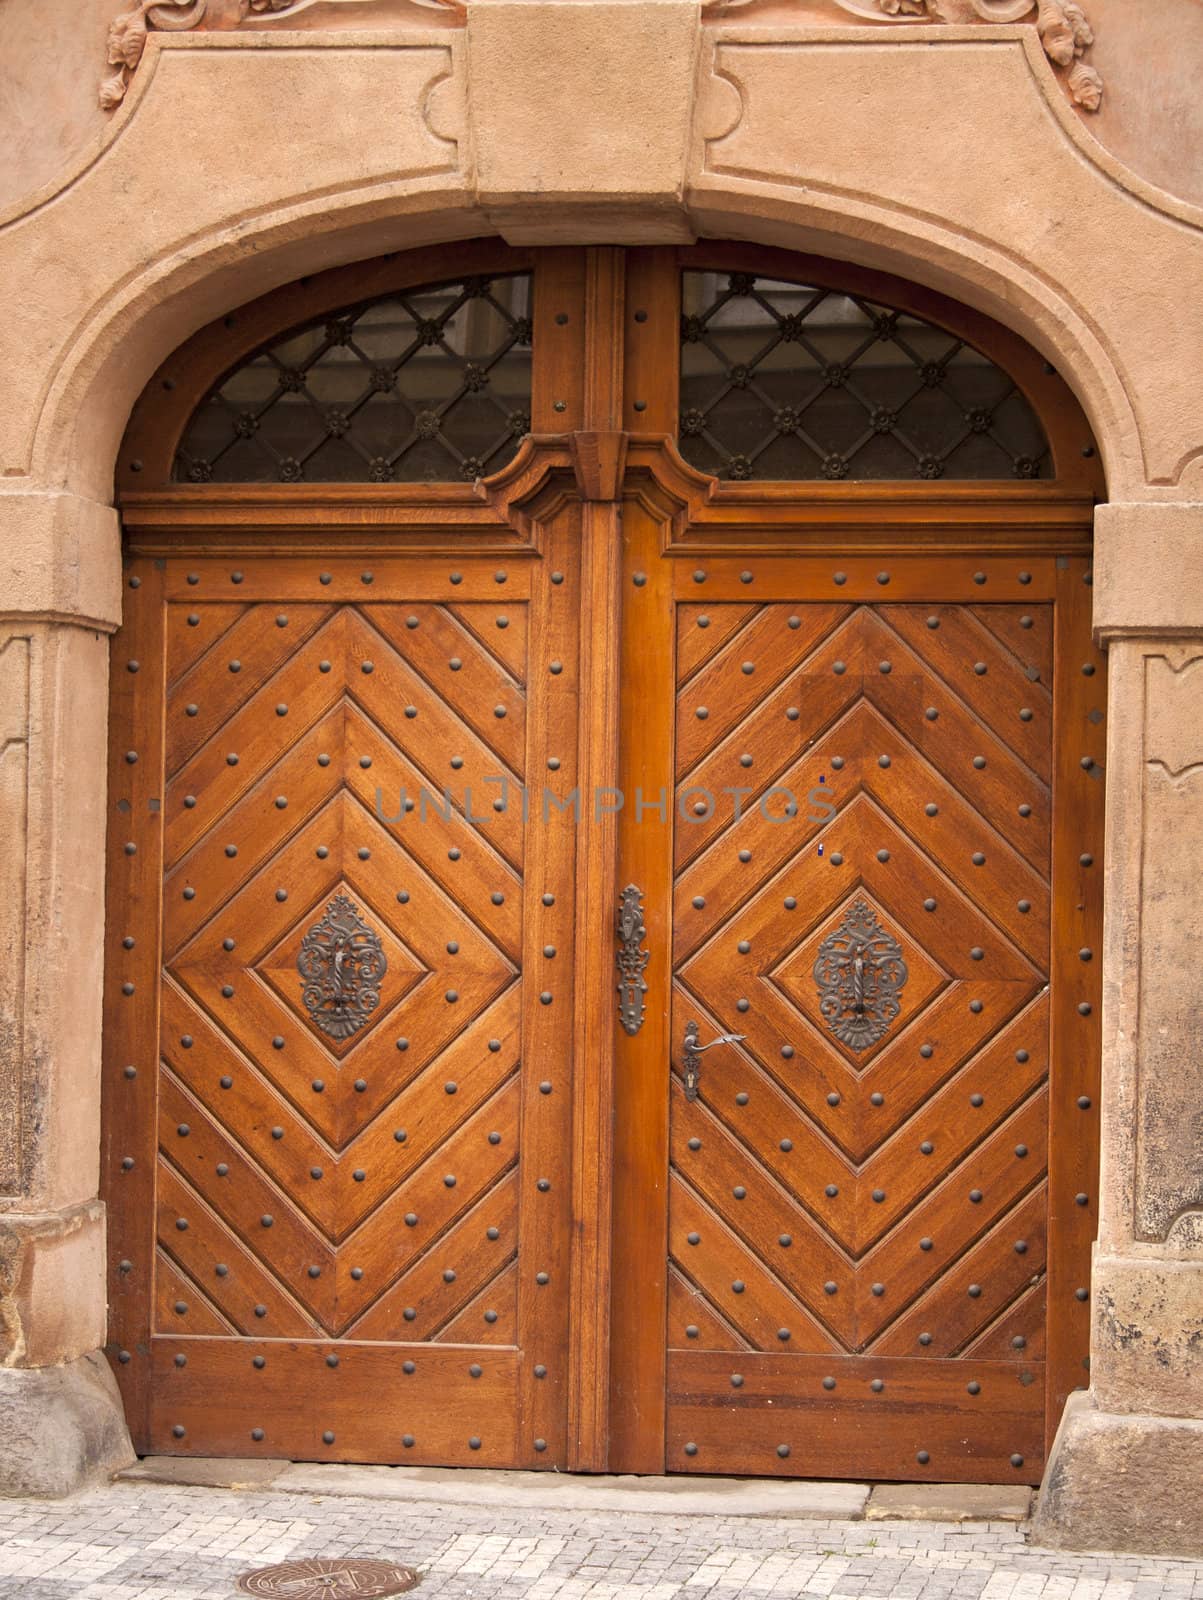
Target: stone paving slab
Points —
{"points": [[721, 1497], [732, 1497], [949, 1502], [148, 1541], [205, 1472]]}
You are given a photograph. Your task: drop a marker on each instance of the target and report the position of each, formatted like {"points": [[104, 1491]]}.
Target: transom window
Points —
{"points": [[425, 369], [419, 386], [787, 381]]}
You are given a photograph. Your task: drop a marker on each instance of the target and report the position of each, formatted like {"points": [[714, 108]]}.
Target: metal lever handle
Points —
{"points": [[692, 1050]]}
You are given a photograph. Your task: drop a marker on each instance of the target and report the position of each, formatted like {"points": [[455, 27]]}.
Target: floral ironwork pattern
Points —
{"points": [[860, 971], [341, 961], [793, 382], [430, 384]]}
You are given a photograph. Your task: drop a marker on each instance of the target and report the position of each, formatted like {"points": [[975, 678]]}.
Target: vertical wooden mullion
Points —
{"points": [[137, 676], [558, 374], [1075, 975], [638, 1368], [652, 341], [594, 1024], [638, 1365], [545, 1226]]}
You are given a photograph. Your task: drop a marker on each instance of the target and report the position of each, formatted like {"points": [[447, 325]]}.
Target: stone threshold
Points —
{"points": [[547, 1491]]}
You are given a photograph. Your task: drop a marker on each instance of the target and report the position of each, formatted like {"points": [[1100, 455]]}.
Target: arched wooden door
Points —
{"points": [[537, 665]]}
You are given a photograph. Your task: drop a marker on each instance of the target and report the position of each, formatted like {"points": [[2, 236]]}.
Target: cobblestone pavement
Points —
{"points": [[137, 1541]]}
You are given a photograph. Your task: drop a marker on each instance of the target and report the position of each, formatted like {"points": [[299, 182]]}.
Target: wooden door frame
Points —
{"points": [[604, 418]]}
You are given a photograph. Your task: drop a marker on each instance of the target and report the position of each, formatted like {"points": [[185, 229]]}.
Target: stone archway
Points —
{"points": [[121, 275]]}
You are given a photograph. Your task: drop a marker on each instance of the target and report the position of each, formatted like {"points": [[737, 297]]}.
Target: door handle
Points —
{"points": [[692, 1051]]}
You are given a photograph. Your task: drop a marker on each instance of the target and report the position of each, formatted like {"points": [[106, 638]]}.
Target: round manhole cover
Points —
{"points": [[318, 1579]]}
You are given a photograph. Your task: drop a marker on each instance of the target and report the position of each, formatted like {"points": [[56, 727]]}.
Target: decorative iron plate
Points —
{"points": [[315, 1578], [342, 962], [859, 971], [631, 959]]}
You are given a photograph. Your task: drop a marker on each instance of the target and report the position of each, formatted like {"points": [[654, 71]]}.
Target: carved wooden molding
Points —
{"points": [[1062, 25], [599, 461]]}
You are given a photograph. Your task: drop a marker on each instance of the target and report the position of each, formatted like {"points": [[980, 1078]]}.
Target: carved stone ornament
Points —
{"points": [[1064, 31], [128, 31], [341, 961], [631, 960], [860, 971]]}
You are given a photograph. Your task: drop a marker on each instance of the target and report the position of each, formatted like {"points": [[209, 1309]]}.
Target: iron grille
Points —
{"points": [[427, 385], [787, 381]]}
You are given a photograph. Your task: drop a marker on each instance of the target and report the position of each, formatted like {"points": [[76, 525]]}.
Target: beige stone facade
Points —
{"points": [[257, 148]]}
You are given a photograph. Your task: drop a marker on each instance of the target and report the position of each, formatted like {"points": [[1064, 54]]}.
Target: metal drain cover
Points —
{"points": [[314, 1578]]}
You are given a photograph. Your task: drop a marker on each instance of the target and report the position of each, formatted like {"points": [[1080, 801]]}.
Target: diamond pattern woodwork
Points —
{"points": [[340, 1153], [352, 1178], [828, 1200]]}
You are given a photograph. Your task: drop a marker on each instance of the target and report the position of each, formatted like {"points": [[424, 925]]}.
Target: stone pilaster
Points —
{"points": [[60, 1416], [1128, 1460]]}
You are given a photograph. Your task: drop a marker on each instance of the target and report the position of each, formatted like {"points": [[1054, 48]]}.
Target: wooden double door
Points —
{"points": [[602, 969]]}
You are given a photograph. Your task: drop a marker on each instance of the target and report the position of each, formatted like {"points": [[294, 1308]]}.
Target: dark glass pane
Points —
{"points": [[786, 381], [422, 386]]}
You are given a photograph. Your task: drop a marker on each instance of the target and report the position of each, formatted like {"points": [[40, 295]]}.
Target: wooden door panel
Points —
{"points": [[339, 1401], [204, 628], [232, 672], [852, 1216], [361, 1192], [178, 1301], [866, 1417], [963, 651], [1026, 632]]}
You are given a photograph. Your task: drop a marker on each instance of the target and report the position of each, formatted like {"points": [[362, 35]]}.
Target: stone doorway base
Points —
{"points": [[542, 1491]]}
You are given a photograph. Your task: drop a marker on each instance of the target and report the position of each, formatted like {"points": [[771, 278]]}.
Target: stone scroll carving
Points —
{"points": [[1062, 25], [1169, 1101], [128, 32]]}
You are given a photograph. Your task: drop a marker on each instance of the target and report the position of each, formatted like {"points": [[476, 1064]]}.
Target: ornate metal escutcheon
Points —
{"points": [[859, 971], [631, 959], [342, 962]]}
